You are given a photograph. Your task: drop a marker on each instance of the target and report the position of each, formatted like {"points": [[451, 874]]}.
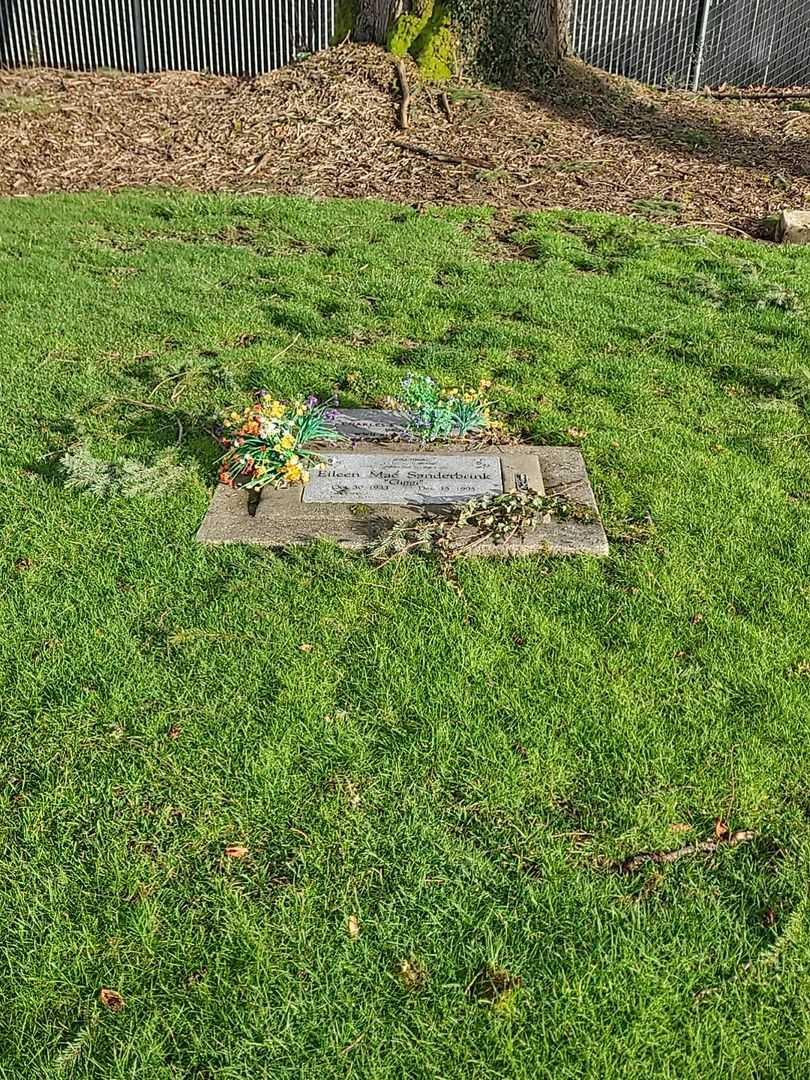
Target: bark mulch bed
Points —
{"points": [[328, 127]]}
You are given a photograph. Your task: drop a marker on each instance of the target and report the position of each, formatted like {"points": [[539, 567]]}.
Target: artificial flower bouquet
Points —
{"points": [[267, 443], [434, 413]]}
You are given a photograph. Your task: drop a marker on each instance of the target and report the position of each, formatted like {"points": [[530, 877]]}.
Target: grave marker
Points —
{"points": [[370, 487]]}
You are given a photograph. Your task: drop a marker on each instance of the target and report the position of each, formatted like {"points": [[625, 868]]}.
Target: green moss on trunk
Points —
{"points": [[435, 48], [406, 29], [426, 33]]}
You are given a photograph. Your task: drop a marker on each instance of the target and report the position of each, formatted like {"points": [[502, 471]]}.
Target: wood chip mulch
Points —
{"points": [[328, 127]]}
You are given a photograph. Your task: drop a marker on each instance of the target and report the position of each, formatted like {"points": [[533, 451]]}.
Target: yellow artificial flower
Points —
{"points": [[300, 410], [485, 384], [304, 476], [291, 473], [275, 408], [287, 442]]}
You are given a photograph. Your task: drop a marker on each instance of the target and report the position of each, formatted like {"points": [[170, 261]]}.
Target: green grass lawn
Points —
{"points": [[456, 773]]}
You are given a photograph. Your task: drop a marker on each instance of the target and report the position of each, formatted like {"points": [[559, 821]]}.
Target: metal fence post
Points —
{"points": [[137, 34], [700, 44]]}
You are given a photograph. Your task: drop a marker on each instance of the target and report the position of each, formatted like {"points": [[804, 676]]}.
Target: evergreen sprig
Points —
{"points": [[129, 477]]}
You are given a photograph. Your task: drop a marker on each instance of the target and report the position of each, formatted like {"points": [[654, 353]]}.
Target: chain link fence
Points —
{"points": [[696, 43]]}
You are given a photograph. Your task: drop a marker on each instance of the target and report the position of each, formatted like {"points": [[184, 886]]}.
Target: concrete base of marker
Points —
{"points": [[284, 517]]}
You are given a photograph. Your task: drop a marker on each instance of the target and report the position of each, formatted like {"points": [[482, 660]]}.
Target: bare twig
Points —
{"points": [[635, 862], [286, 349], [348, 1049], [256, 164], [168, 379], [395, 555], [154, 407], [405, 103], [439, 155], [716, 225], [444, 105]]}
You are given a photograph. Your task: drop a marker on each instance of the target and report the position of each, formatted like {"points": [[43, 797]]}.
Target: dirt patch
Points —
{"points": [[328, 127]]}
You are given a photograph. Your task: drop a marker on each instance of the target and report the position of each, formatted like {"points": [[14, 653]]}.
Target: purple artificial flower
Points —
{"points": [[311, 401]]}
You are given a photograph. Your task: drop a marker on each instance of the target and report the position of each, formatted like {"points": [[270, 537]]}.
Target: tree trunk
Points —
{"points": [[548, 28], [374, 18]]}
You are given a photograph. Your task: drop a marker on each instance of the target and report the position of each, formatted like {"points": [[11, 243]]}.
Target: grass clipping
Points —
{"points": [[497, 519]]}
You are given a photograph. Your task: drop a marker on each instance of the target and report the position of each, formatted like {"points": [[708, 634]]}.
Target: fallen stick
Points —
{"points": [[405, 103], [153, 407], [635, 862], [717, 225], [257, 163], [439, 155], [444, 105]]}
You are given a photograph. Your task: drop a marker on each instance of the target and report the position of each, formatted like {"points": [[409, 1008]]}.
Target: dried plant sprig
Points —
{"points": [[494, 518]]}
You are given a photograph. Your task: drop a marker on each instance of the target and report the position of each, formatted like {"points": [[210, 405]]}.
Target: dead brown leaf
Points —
{"points": [[491, 984], [696, 618], [235, 851], [354, 795], [680, 826], [174, 731], [411, 974], [721, 829], [306, 647], [353, 927], [23, 564], [111, 1000]]}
